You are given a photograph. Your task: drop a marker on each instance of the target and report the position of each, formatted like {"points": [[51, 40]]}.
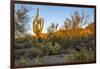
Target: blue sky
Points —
{"points": [[56, 14]]}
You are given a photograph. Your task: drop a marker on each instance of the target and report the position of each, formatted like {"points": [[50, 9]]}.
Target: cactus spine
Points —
{"points": [[38, 24]]}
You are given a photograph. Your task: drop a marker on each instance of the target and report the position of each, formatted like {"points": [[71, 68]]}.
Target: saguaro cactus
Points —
{"points": [[38, 24]]}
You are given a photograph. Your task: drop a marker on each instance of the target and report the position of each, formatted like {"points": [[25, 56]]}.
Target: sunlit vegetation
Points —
{"points": [[73, 43]]}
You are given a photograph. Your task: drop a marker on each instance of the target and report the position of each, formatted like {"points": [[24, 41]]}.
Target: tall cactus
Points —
{"points": [[38, 24]]}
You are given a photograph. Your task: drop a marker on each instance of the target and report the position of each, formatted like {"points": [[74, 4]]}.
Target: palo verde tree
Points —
{"points": [[77, 20], [21, 20], [75, 23]]}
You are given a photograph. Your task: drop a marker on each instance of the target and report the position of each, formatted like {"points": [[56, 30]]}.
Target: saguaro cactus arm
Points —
{"points": [[41, 24]]}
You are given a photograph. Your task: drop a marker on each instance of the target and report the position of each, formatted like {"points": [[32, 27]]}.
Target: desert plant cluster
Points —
{"points": [[81, 46], [70, 44]]}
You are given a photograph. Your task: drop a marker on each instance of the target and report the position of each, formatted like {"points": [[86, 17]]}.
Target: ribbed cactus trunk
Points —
{"points": [[38, 24]]}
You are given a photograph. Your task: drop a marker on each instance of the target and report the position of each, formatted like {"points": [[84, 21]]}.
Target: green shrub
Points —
{"points": [[83, 56], [18, 54], [51, 49], [33, 52], [23, 61]]}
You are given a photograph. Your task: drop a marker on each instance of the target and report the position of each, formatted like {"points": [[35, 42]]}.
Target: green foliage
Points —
{"points": [[83, 56], [23, 61], [51, 49]]}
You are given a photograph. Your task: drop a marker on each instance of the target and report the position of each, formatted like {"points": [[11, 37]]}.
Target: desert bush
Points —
{"points": [[33, 52], [83, 56], [18, 54], [23, 61], [26, 44], [51, 49]]}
